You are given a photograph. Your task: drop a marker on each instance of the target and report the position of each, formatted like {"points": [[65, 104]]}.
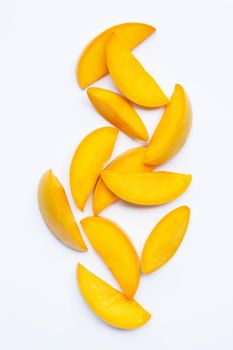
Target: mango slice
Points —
{"points": [[172, 130], [165, 239], [118, 111], [146, 188], [57, 213], [131, 160], [116, 250], [92, 64], [130, 77], [88, 161], [108, 303]]}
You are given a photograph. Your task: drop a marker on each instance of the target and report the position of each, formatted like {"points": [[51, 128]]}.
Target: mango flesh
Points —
{"points": [[131, 160], [165, 239], [116, 250], [146, 188], [57, 213], [118, 111], [108, 303], [172, 130], [130, 77], [88, 161], [92, 63]]}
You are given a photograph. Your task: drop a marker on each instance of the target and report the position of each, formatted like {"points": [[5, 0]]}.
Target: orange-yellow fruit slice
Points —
{"points": [[146, 188], [108, 303], [130, 77], [119, 112], [88, 161], [92, 63], [165, 239], [172, 130], [131, 160], [57, 213], [116, 250]]}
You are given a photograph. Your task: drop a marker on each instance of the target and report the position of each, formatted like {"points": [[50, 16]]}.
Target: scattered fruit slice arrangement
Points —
{"points": [[130, 176]]}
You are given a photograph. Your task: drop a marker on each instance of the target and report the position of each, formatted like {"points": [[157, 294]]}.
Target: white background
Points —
{"points": [[44, 115]]}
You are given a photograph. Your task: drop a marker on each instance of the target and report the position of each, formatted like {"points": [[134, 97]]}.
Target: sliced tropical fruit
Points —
{"points": [[165, 239], [88, 161], [146, 188], [131, 160], [118, 111], [172, 130], [108, 303], [130, 77], [92, 64], [116, 250], [56, 212]]}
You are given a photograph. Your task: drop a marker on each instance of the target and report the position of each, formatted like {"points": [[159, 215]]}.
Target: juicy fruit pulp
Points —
{"points": [[146, 188], [108, 303], [130, 77], [118, 111], [88, 161], [165, 239], [172, 130], [92, 64], [56, 212], [131, 160], [116, 250]]}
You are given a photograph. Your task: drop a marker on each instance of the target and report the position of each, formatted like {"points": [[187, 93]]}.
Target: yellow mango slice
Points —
{"points": [[130, 77], [131, 160], [108, 303], [165, 239], [56, 212], [92, 64], [172, 130], [146, 188], [118, 111], [88, 161], [116, 250]]}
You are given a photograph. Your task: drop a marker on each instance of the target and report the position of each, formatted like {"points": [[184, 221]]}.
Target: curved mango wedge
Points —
{"points": [[118, 111], [165, 239], [131, 160], [56, 212], [172, 130], [116, 250], [130, 77], [108, 303], [92, 64], [88, 161], [146, 188]]}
